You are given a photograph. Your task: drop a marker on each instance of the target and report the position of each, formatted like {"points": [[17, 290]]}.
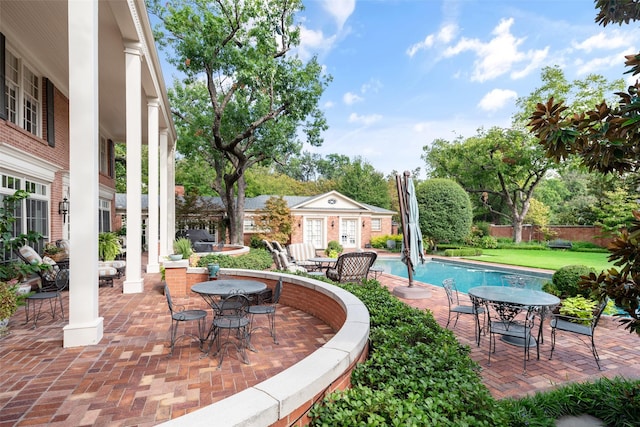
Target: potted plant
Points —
{"points": [[54, 252], [182, 246], [8, 303], [108, 246], [333, 249]]}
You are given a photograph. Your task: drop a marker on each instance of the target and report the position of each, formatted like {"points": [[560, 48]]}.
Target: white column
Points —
{"points": [[152, 221], [165, 238], [85, 326], [133, 98], [171, 219]]}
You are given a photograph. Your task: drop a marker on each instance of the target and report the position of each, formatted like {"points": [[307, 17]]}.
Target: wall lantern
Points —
{"points": [[363, 223], [332, 223], [63, 209]]}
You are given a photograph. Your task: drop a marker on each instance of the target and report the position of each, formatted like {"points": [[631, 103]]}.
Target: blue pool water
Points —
{"points": [[465, 275]]}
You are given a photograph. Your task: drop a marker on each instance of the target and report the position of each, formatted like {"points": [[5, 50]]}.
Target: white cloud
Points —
{"points": [[496, 99], [444, 35], [373, 85], [602, 41], [313, 42], [340, 10], [594, 65], [364, 120], [329, 104], [351, 98], [499, 55]]}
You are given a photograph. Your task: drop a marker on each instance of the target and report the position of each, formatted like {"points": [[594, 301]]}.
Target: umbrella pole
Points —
{"points": [[407, 292], [402, 200]]}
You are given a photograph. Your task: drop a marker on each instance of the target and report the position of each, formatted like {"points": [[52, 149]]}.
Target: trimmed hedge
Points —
{"points": [[416, 374], [463, 252], [256, 259]]}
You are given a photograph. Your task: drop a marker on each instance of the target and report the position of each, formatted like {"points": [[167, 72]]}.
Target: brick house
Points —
{"points": [[77, 78], [317, 219]]}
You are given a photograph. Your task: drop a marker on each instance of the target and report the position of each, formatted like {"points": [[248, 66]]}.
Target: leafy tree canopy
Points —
{"points": [[246, 98], [361, 182]]}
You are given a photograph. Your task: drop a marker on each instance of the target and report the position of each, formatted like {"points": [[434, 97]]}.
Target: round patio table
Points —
{"points": [[323, 262], [521, 296]]}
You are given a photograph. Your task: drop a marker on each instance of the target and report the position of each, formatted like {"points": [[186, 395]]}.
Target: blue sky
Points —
{"points": [[406, 72]]}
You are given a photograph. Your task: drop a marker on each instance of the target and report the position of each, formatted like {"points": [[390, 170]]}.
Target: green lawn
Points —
{"points": [[550, 260]]}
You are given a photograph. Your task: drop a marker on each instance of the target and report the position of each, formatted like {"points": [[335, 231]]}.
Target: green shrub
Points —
{"points": [[416, 374], [579, 307], [463, 252], [566, 280], [614, 401], [488, 242], [256, 259], [380, 242], [445, 210], [334, 248], [183, 246]]}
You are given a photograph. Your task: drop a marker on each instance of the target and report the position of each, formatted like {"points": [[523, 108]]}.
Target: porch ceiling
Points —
{"points": [[37, 29]]}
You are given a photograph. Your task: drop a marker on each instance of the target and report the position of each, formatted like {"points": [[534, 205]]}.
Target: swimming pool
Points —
{"points": [[465, 275]]}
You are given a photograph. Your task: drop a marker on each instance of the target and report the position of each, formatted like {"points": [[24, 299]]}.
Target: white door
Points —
{"points": [[348, 233], [313, 232]]}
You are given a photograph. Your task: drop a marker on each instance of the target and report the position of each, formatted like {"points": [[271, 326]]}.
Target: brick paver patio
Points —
{"points": [[129, 379]]}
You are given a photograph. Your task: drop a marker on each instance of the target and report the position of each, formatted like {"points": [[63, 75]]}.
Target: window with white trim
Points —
{"points": [[249, 225], [32, 214], [376, 224], [104, 215], [23, 94]]}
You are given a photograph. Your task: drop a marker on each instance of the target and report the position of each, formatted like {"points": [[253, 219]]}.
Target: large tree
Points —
{"points": [[245, 98], [363, 183], [606, 138], [497, 166]]}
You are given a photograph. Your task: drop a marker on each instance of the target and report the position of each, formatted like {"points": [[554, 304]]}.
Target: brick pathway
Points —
{"points": [[129, 379], [572, 360]]}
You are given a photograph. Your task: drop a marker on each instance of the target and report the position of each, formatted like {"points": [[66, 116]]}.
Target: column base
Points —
{"points": [[133, 287], [83, 334]]}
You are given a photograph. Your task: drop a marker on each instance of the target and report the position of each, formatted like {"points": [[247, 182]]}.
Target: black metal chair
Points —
{"points": [[580, 326], [267, 308], [515, 323], [473, 307], [352, 267], [54, 297], [181, 315], [232, 321], [48, 275]]}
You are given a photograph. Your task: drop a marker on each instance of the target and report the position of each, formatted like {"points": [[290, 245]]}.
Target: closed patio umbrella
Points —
{"points": [[412, 247]]}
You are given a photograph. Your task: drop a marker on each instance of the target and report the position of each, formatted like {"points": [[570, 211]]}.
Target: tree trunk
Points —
{"points": [[517, 231]]}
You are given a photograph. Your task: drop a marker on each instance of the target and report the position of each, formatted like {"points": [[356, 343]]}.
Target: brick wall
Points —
{"points": [[565, 232]]}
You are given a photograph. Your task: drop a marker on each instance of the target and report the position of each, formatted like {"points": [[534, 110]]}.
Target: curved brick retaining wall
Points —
{"points": [[285, 398]]}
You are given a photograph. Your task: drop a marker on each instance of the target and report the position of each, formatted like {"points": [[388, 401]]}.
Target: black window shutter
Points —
{"points": [[51, 133], [112, 159], [3, 83]]}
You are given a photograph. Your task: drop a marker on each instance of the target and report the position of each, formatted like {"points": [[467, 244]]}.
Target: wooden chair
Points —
{"points": [[352, 267]]}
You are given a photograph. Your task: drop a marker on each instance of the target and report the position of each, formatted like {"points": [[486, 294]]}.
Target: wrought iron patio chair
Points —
{"points": [[473, 307], [580, 326], [515, 323], [352, 267], [267, 308], [179, 315], [54, 297], [47, 276], [232, 321]]}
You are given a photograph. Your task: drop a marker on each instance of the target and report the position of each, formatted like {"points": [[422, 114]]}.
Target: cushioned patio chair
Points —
{"points": [[352, 267], [33, 303], [300, 253], [47, 276], [579, 326], [472, 307]]}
